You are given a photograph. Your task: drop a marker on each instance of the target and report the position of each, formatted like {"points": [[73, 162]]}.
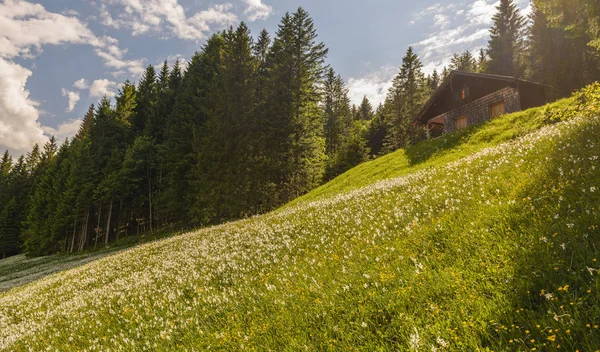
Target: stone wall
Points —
{"points": [[479, 110]]}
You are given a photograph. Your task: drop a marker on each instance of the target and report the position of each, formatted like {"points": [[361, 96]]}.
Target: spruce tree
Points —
{"points": [[506, 43], [482, 61], [366, 109], [464, 62], [408, 93], [296, 134], [147, 96], [338, 117], [435, 81]]}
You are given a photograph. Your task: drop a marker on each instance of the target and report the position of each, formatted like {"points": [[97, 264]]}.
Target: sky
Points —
{"points": [[59, 56]]}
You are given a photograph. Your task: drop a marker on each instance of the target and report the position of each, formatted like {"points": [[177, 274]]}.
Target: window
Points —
{"points": [[464, 93], [460, 123], [461, 94], [497, 109]]}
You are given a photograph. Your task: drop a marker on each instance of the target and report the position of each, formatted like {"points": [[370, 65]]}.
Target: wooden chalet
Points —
{"points": [[466, 98]]}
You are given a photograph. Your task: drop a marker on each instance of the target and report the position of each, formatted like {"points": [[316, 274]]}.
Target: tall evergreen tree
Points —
{"points": [[338, 117], [366, 109], [408, 93], [506, 43], [296, 131], [482, 61], [147, 97], [194, 104]]}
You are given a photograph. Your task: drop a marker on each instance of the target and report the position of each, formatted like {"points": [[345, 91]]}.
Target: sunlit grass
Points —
{"points": [[481, 240]]}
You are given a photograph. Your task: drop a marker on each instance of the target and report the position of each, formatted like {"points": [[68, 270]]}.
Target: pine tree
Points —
{"points": [[194, 104], [506, 43], [225, 154], [366, 109], [296, 133], [87, 122], [408, 93], [435, 81], [147, 96], [464, 62], [261, 47], [338, 117], [482, 61]]}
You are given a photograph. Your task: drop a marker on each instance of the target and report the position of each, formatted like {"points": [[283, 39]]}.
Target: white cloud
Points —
{"points": [[19, 126], [25, 27], [374, 85], [434, 9], [441, 21], [256, 10], [102, 87], [81, 84], [73, 99], [160, 16], [66, 130], [481, 12], [113, 59]]}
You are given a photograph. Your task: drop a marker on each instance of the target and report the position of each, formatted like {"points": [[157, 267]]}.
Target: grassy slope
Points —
{"points": [[19, 270], [471, 248]]}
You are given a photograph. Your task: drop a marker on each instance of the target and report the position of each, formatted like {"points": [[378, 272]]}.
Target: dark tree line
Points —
{"points": [[249, 125]]}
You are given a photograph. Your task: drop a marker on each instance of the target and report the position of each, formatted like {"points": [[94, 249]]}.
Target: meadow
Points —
{"points": [[485, 240]]}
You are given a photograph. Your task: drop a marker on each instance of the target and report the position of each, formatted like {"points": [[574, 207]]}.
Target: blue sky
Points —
{"points": [[59, 56]]}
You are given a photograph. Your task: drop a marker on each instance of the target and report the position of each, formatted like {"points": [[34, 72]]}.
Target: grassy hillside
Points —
{"points": [[483, 240]]}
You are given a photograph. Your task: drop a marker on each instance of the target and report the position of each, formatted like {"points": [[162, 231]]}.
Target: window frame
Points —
{"points": [[494, 105], [460, 126]]}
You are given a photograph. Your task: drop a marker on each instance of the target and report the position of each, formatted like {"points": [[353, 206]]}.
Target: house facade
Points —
{"points": [[466, 98]]}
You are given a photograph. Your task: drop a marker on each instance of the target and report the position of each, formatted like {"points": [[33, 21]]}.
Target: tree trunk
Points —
{"points": [[150, 198], [97, 229], [85, 231], [108, 222], [73, 239], [119, 219]]}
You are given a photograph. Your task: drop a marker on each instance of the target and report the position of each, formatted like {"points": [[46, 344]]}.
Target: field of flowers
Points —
{"points": [[491, 250]]}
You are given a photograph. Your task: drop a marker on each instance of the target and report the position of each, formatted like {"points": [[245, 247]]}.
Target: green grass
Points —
{"points": [[482, 240]]}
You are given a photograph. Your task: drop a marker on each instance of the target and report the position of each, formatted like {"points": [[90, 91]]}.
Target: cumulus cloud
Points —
{"points": [[73, 98], [256, 10], [103, 87], [161, 16], [25, 28], [66, 130], [19, 126], [374, 85], [81, 84]]}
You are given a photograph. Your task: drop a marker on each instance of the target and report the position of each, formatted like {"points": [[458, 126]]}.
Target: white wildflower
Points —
{"points": [[415, 340]]}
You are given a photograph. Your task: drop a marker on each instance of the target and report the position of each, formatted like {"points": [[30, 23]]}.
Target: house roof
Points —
{"points": [[452, 74]]}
